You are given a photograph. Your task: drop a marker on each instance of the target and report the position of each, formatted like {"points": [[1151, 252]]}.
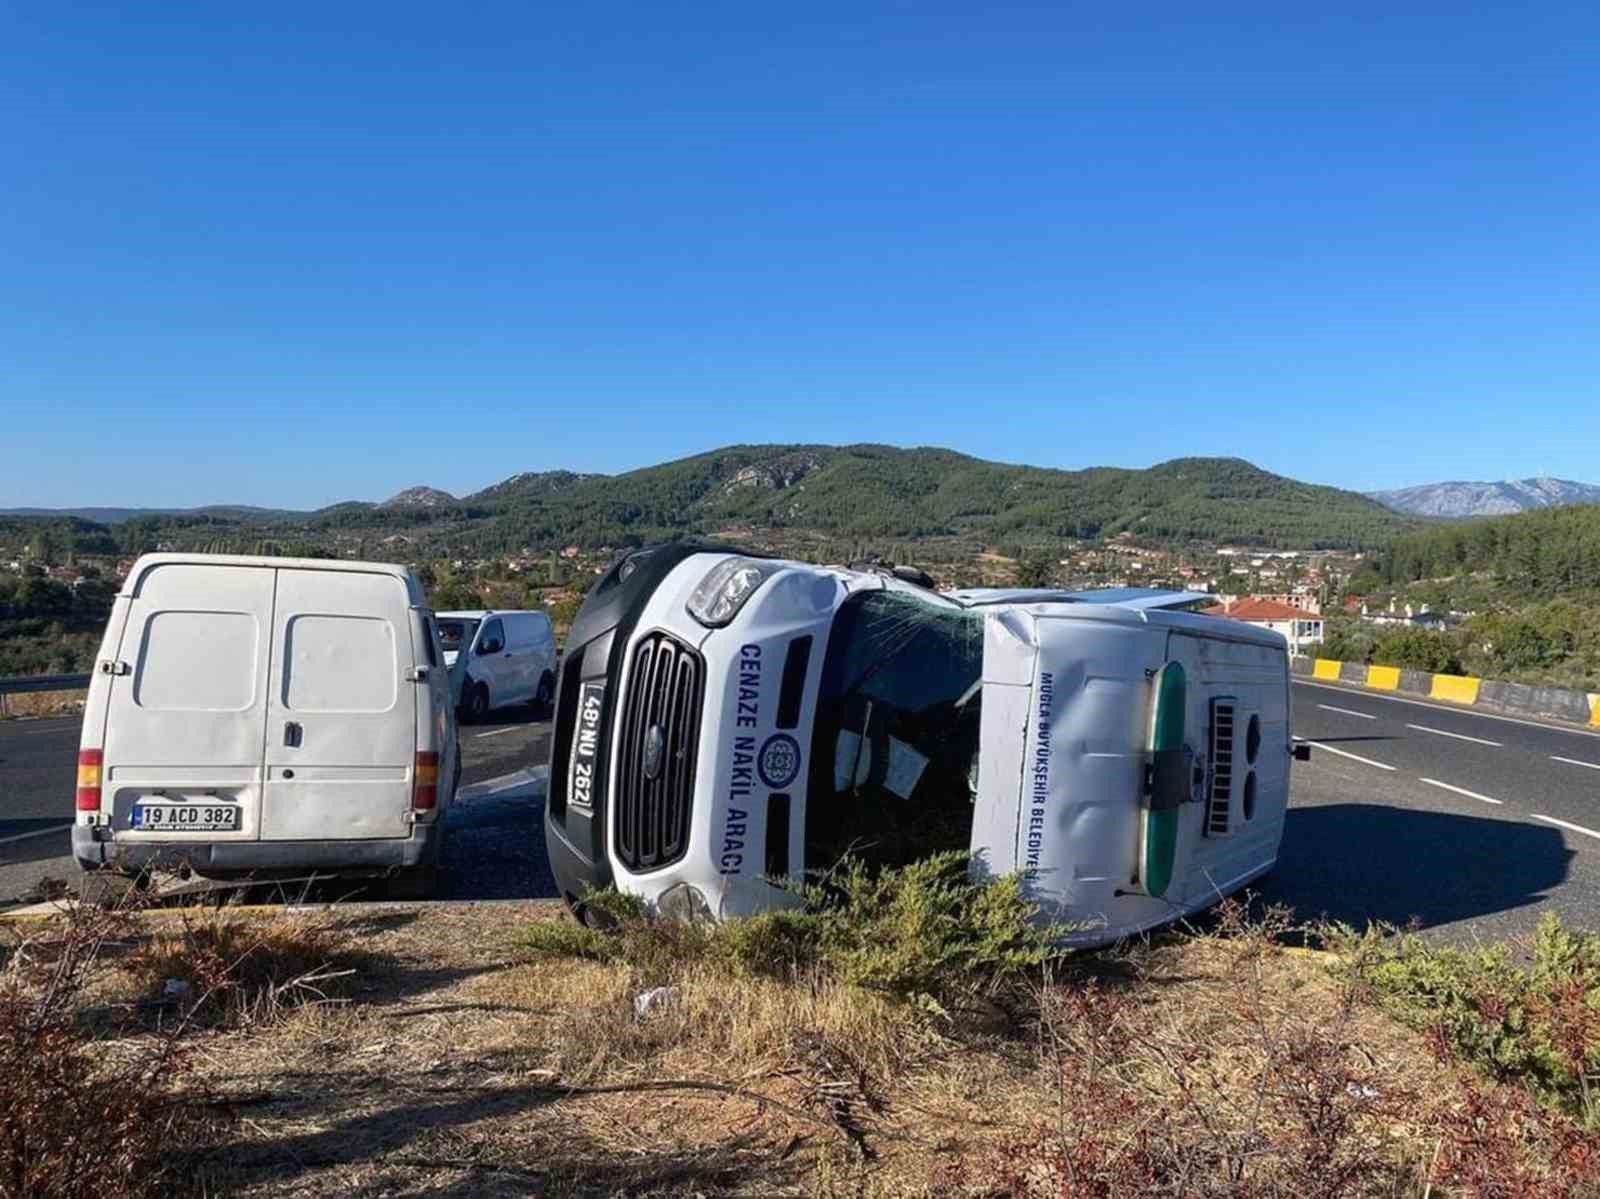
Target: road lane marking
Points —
{"points": [[1574, 762], [1577, 828], [1462, 791], [38, 832], [510, 728], [1386, 697], [1345, 712], [1345, 753], [1422, 728]]}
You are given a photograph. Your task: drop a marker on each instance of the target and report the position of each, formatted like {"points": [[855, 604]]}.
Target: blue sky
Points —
{"points": [[290, 254]]}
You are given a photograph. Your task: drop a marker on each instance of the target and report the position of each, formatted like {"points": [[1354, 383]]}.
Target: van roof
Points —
{"points": [[147, 562]]}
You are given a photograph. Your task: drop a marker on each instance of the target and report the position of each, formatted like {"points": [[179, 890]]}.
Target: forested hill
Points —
{"points": [[1547, 552], [860, 492]]}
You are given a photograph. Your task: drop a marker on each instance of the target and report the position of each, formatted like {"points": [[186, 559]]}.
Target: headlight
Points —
{"points": [[725, 589]]}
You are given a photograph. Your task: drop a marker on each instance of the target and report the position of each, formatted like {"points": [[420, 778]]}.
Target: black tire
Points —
{"points": [[474, 702], [545, 693]]}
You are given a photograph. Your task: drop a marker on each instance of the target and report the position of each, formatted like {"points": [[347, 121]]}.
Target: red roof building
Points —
{"points": [[1301, 629]]}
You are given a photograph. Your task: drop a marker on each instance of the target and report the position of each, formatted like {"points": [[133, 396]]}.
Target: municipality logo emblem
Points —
{"points": [[779, 761]]}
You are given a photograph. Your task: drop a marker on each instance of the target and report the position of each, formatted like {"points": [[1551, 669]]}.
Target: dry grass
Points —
{"points": [[455, 1062], [42, 703]]}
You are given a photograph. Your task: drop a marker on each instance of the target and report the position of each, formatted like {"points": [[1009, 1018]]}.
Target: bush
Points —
{"points": [[237, 971], [1540, 1025], [924, 933], [85, 1112]]}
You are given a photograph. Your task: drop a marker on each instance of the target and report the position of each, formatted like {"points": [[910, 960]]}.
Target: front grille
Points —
{"points": [[666, 691], [1219, 800]]}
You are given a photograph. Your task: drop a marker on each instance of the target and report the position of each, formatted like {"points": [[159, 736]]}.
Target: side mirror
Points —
{"points": [[1301, 751], [488, 647]]}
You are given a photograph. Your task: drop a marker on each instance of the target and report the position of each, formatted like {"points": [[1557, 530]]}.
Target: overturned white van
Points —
{"points": [[249, 715], [725, 722]]}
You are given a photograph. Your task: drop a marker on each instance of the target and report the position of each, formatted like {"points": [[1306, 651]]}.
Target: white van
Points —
{"points": [[725, 722], [249, 715], [498, 658]]}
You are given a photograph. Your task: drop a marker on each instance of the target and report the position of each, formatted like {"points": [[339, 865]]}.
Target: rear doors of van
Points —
{"points": [[258, 702], [185, 724]]}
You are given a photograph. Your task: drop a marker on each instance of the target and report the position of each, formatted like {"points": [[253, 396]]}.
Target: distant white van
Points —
{"points": [[498, 658], [262, 714]]}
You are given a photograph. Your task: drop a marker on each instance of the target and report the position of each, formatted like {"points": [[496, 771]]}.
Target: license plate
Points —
{"points": [[586, 744], [185, 817]]}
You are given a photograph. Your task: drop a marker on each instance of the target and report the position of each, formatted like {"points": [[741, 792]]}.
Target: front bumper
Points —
{"points": [[596, 647], [399, 853]]}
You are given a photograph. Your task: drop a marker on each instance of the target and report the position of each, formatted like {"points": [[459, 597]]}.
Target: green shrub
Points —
{"points": [[924, 933], [1539, 1025]]}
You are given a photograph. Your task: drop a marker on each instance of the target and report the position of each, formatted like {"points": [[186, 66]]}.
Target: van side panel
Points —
{"points": [[341, 715], [186, 722]]}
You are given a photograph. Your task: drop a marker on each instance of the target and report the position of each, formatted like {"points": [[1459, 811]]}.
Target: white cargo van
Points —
{"points": [[498, 658], [250, 715], [726, 721]]}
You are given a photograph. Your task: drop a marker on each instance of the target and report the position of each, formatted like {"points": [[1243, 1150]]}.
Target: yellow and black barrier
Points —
{"points": [[1562, 703]]}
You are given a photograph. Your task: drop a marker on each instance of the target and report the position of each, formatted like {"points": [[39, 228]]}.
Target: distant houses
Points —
{"points": [[1299, 627]]}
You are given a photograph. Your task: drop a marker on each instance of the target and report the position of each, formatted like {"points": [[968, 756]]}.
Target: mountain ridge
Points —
{"points": [[854, 493], [1462, 498]]}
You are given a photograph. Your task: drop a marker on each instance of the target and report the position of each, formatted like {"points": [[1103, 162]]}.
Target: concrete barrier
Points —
{"points": [[1415, 682], [1455, 688], [1560, 702], [1384, 678]]}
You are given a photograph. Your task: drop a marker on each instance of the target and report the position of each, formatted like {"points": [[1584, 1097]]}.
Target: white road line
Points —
{"points": [[1344, 753], [510, 728], [1574, 762], [38, 832], [1422, 728], [1577, 828], [1345, 712], [1461, 791], [1387, 697]]}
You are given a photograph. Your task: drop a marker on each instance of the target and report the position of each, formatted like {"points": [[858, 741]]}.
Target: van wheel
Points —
{"points": [[475, 703], [422, 880], [545, 693]]}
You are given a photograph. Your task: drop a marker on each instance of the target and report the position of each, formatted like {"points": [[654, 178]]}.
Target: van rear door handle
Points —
{"points": [[291, 734]]}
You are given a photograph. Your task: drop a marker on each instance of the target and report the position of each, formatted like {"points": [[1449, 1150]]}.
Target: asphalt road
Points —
{"points": [[1467, 824]]}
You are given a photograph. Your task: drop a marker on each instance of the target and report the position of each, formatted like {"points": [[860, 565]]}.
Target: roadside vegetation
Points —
{"points": [[906, 1033], [1530, 584]]}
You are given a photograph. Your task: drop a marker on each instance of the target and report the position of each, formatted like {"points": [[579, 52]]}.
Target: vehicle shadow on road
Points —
{"points": [[515, 714], [1357, 863]]}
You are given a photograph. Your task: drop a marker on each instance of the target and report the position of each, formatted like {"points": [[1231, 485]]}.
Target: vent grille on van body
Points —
{"points": [[654, 799], [1219, 797]]}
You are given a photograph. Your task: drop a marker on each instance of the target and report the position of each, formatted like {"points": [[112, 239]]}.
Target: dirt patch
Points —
{"points": [[437, 1053]]}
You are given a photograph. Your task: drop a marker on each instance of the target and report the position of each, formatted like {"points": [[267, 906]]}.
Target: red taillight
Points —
{"points": [[425, 782], [89, 763]]}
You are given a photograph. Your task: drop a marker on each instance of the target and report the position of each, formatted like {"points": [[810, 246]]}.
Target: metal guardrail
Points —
{"points": [[17, 684]]}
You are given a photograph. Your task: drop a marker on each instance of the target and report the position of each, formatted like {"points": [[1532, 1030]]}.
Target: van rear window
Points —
{"points": [[339, 664], [197, 662]]}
